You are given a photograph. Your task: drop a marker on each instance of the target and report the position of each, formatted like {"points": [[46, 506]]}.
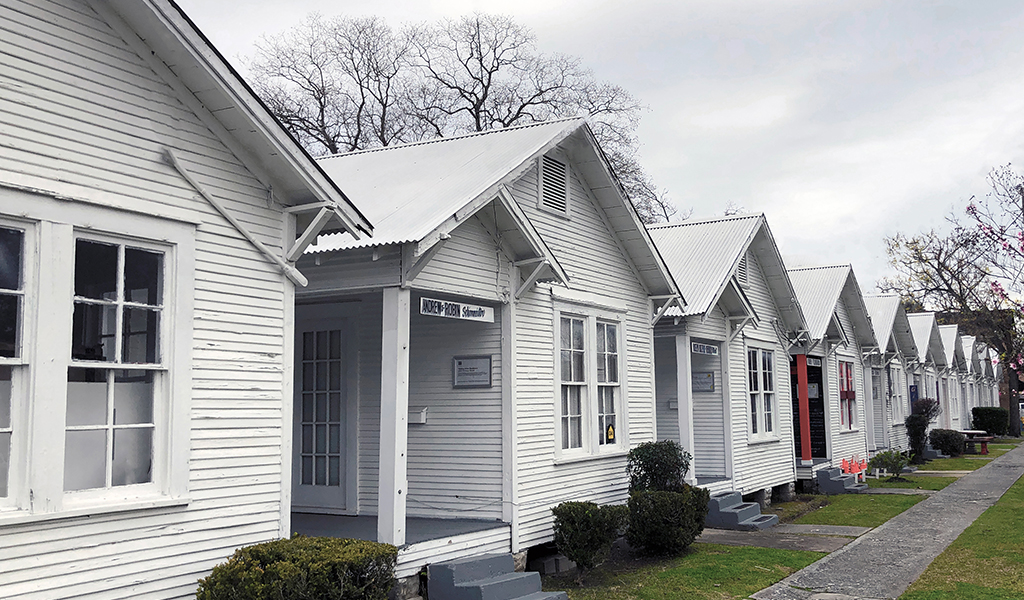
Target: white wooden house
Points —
{"points": [[147, 204], [722, 362], [487, 355], [953, 378], [887, 372], [828, 370], [974, 373], [931, 357]]}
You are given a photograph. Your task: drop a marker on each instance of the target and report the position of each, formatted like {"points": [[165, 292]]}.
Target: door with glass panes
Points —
{"points": [[319, 470]]}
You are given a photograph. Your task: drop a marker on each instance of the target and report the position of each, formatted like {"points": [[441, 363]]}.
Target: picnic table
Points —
{"points": [[977, 436]]}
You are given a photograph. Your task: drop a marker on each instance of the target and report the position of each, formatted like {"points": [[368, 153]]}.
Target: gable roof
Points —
{"points": [[952, 345], [703, 255], [889, 321], [166, 38], [416, 193], [819, 289], [971, 353], [927, 337]]}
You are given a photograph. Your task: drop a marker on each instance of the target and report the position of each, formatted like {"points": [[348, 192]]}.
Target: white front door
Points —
{"points": [[319, 448]]}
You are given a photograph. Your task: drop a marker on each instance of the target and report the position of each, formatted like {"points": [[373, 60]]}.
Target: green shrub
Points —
{"points": [[892, 461], [304, 568], [584, 531], [928, 407], [994, 420], [917, 426], [666, 522], [657, 466], [947, 441]]}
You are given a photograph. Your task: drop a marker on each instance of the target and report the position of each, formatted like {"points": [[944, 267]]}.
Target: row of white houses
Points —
{"points": [[209, 339]]}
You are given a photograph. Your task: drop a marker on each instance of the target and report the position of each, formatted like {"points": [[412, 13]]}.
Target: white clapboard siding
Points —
{"points": [[81, 115], [469, 264], [454, 466], [666, 390], [351, 270], [595, 263], [760, 464], [847, 444]]}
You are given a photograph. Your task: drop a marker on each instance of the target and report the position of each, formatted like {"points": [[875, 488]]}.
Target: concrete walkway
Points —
{"points": [[882, 563]]}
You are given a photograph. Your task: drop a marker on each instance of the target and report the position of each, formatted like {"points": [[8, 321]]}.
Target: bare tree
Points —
{"points": [[346, 84], [338, 85]]}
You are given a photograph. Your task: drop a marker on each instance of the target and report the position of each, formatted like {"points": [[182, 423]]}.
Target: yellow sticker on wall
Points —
{"points": [[611, 433]]}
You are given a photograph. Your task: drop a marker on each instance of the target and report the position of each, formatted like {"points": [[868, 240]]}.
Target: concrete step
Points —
{"points": [[724, 500], [758, 522], [732, 516], [856, 488], [468, 569], [545, 596], [502, 587]]}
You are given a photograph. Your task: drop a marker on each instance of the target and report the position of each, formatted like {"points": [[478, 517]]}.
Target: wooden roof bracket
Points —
{"points": [[669, 299], [532, 279], [289, 270]]}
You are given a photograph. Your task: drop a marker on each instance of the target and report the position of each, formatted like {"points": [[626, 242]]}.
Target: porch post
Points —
{"points": [[394, 416], [684, 405], [805, 408]]}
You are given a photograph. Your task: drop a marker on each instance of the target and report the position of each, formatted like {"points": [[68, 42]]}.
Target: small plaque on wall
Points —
{"points": [[471, 371], [702, 381], [813, 390]]}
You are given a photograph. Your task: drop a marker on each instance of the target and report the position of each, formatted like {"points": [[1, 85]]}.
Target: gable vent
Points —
{"points": [[741, 271], [554, 184]]}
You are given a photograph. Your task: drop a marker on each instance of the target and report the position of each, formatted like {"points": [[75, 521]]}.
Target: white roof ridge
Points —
{"points": [[704, 221], [438, 140]]}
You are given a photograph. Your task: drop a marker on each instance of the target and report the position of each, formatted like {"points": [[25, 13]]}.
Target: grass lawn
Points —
{"points": [[706, 571], [985, 562], [859, 510], [919, 482], [954, 464]]}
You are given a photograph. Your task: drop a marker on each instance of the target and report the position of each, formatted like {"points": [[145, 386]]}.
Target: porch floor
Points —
{"points": [[417, 529]]}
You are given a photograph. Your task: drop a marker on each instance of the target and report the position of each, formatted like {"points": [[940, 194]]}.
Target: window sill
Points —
{"points": [[763, 441], [18, 517], [579, 458], [845, 431]]}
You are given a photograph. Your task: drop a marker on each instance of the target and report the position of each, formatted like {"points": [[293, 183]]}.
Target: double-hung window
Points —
{"points": [[761, 389], [94, 357], [591, 412], [847, 396]]}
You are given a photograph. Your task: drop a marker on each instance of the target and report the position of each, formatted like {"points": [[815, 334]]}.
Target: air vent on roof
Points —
{"points": [[741, 271], [554, 185]]}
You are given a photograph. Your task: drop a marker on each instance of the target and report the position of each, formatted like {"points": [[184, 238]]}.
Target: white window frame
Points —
{"points": [[37, 481], [767, 428], [847, 406], [591, 446], [896, 384]]}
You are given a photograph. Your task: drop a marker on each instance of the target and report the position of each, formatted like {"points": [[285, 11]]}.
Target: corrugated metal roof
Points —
{"points": [[407, 191], [950, 335], [927, 337], [971, 353], [883, 311], [702, 255], [817, 290]]}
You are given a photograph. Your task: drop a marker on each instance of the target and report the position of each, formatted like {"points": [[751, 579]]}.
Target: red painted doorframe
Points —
{"points": [[805, 407]]}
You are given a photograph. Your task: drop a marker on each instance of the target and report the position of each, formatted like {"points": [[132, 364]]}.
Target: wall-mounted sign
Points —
{"points": [[813, 390], [471, 371], [813, 362], [702, 381], [456, 310], [709, 349]]}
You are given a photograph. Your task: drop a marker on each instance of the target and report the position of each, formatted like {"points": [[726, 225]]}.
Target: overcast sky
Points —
{"points": [[843, 122]]}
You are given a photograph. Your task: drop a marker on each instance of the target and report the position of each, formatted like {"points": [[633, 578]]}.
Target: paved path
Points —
{"points": [[885, 561]]}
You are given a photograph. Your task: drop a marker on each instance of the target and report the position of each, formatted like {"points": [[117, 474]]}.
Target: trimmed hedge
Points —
{"points": [[994, 420], [666, 522], [584, 531], [659, 466], [304, 568], [947, 441]]}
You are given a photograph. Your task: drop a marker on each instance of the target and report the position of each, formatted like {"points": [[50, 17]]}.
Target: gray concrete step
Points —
{"points": [[758, 522], [487, 577]]}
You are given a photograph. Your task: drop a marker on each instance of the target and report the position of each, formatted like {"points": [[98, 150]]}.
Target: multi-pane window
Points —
{"points": [[847, 396], [573, 361], [322, 385], [12, 293], [607, 381], [590, 387], [115, 353], [761, 389]]}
